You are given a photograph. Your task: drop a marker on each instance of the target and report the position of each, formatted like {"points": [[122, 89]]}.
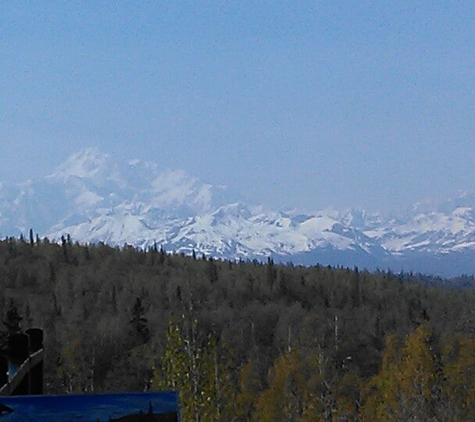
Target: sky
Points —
{"points": [[294, 104]]}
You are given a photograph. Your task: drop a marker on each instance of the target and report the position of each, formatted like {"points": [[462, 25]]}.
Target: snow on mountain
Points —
{"points": [[86, 164], [96, 199], [433, 232]]}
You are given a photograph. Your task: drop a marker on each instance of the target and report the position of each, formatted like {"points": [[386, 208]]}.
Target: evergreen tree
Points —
{"points": [[12, 318], [139, 322]]}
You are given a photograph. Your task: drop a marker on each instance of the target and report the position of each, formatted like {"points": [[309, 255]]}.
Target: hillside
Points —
{"points": [[130, 320]]}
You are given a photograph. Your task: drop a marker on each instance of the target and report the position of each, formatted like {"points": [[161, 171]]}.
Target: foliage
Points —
{"points": [[244, 341]]}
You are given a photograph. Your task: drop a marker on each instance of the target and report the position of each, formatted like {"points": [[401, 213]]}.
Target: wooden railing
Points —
{"points": [[24, 369]]}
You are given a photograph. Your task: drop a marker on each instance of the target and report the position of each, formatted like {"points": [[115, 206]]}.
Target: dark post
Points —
{"points": [[36, 372]]}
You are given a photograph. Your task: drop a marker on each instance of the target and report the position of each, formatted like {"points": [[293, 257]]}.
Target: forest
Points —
{"points": [[245, 340]]}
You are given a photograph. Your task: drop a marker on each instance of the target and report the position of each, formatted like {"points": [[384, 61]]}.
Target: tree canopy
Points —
{"points": [[244, 341]]}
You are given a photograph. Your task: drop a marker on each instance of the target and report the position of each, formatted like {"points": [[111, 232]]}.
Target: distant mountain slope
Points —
{"points": [[94, 198]]}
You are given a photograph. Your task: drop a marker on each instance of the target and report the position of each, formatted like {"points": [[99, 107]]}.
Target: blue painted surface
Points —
{"points": [[86, 407]]}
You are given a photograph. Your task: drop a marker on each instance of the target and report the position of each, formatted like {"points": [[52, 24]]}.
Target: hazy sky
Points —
{"points": [[303, 104]]}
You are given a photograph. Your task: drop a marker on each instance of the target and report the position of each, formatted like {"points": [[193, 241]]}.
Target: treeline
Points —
{"points": [[245, 341]]}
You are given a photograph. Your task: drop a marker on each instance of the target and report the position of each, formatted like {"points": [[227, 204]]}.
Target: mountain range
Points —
{"points": [[95, 198]]}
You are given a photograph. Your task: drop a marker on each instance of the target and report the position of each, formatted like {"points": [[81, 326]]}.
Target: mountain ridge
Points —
{"points": [[93, 198]]}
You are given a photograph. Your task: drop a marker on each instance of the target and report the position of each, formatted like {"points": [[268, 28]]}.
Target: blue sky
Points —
{"points": [[303, 104]]}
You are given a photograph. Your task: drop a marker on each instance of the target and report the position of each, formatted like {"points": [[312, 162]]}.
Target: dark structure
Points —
{"points": [[122, 407], [21, 375], [21, 363]]}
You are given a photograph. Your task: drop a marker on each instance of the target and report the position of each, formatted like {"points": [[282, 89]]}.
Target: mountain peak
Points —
{"points": [[87, 164], [94, 198], [461, 199]]}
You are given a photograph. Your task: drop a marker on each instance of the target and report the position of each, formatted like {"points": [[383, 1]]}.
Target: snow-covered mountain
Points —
{"points": [[96, 199]]}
